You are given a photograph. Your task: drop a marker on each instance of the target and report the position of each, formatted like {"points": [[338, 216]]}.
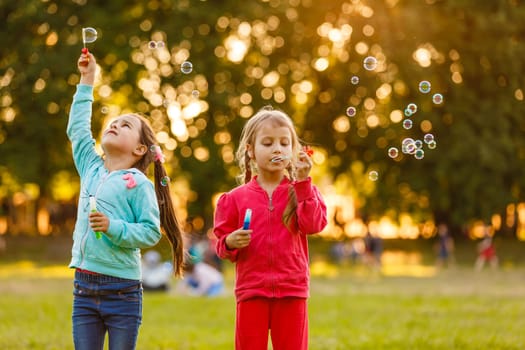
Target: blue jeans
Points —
{"points": [[106, 304]]}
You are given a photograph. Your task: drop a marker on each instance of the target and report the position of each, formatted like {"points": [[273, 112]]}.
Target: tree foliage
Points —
{"points": [[296, 55]]}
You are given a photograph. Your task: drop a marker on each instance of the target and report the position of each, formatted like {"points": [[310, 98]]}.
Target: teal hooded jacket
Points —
{"points": [[127, 197]]}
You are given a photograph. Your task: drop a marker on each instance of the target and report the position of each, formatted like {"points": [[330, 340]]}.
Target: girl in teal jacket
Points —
{"points": [[120, 211]]}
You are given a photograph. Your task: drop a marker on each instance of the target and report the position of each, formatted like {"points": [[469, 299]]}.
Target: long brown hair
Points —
{"points": [[168, 220], [246, 165]]}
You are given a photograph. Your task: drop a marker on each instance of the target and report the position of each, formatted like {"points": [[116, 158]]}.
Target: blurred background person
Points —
{"points": [[444, 247], [156, 274], [486, 252], [200, 278], [373, 251]]}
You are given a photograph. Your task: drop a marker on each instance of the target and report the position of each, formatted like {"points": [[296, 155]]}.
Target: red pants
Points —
{"points": [[286, 319]]}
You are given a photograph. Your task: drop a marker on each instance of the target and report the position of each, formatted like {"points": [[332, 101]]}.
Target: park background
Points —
{"points": [[298, 56]]}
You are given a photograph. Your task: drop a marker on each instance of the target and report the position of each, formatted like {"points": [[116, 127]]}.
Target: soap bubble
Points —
{"points": [[165, 181], [425, 86], [186, 67], [195, 93], [351, 111], [373, 175], [407, 124], [407, 141], [412, 107], [370, 63], [89, 35], [393, 152], [437, 99], [419, 154], [432, 144], [408, 146], [153, 45], [354, 80], [428, 138]]}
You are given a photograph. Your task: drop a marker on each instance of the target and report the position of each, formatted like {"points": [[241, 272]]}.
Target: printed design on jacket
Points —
{"points": [[130, 180]]}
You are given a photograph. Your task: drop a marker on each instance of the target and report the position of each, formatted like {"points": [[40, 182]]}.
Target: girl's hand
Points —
{"points": [[87, 66], [98, 222], [238, 239], [303, 166]]}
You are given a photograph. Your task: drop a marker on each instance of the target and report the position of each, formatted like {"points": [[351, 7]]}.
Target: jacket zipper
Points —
{"points": [[270, 238]]}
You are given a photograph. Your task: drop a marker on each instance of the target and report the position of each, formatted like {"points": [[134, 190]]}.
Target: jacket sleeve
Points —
{"points": [[144, 232], [79, 129], [311, 208], [225, 222]]}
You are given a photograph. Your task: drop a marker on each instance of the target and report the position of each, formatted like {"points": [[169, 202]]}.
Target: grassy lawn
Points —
{"points": [[351, 309]]}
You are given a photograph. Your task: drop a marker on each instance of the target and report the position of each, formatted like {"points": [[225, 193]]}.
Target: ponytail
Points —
{"points": [[168, 219]]}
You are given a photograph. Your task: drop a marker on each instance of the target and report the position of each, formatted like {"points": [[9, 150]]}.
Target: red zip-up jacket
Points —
{"points": [[275, 263]]}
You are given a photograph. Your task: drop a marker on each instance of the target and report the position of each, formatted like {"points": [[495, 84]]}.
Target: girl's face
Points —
{"points": [[122, 136], [272, 148]]}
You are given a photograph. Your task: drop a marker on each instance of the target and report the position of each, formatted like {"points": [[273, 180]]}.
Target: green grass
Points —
{"points": [[355, 309]]}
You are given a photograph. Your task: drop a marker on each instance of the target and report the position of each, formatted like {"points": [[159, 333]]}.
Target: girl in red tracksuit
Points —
{"points": [[271, 254]]}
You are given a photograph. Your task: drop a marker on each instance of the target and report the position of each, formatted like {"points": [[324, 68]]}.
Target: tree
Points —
{"points": [[298, 56]]}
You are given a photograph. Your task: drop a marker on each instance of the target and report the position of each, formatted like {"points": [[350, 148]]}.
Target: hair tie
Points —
{"points": [[159, 156]]}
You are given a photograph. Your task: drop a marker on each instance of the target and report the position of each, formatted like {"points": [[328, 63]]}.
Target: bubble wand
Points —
{"points": [[93, 209], [279, 159], [247, 219], [89, 35]]}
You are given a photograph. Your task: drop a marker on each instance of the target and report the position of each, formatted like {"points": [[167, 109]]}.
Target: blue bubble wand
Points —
{"points": [[247, 219]]}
